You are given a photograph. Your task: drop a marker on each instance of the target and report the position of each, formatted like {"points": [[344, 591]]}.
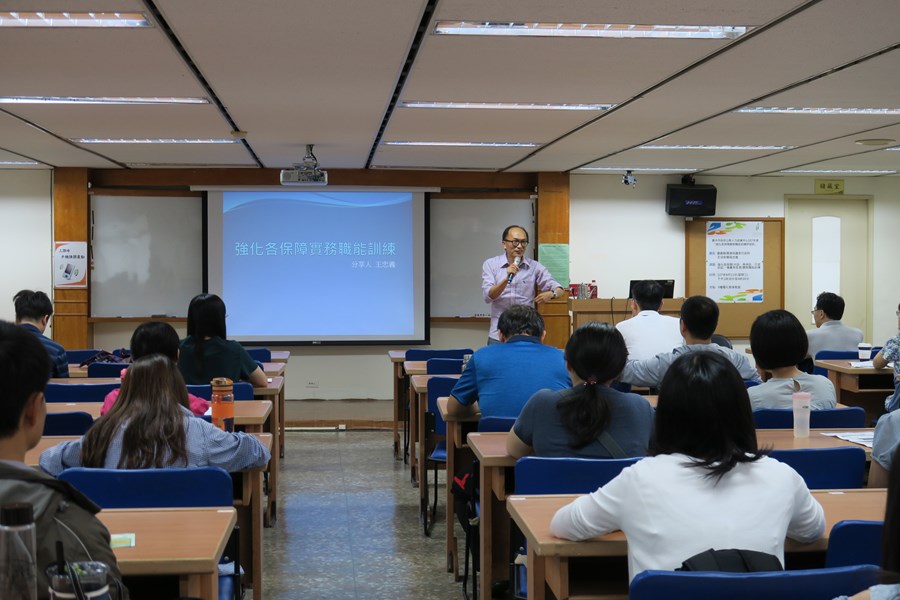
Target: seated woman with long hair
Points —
{"points": [[590, 419], [151, 426], [206, 352], [154, 337], [706, 483]]}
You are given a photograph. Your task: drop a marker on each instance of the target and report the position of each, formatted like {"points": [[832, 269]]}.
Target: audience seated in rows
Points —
{"points": [[590, 419], [779, 343], [699, 318], [151, 426], [61, 513], [706, 484], [500, 378], [648, 333], [830, 332], [155, 337], [33, 312], [207, 353]]}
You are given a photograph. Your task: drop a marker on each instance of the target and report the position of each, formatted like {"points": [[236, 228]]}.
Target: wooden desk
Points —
{"points": [[783, 439], [186, 542], [415, 367], [251, 415], [400, 396], [548, 556], [274, 369], [865, 387], [459, 458], [274, 390], [249, 504], [281, 356], [494, 465]]}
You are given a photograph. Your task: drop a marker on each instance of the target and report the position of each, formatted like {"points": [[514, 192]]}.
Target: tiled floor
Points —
{"points": [[348, 525]]}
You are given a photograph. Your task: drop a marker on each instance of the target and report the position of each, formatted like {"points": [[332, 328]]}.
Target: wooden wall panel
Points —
{"points": [[71, 213]]}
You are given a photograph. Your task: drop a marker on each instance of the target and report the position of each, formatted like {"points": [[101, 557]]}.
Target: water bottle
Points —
{"points": [[223, 403], [593, 288], [18, 574]]}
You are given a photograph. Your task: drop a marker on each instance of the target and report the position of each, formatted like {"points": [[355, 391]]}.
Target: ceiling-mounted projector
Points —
{"points": [[304, 177], [306, 172]]}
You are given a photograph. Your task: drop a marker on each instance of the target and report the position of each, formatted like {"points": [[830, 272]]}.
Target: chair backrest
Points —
{"points": [[834, 355], [810, 584], [826, 468], [79, 356], [749, 383], [489, 424], [828, 418], [201, 390], [437, 387], [262, 355], [854, 543], [78, 392], [721, 340], [242, 390], [153, 488], [68, 423], [443, 366], [426, 353], [106, 369], [538, 475]]}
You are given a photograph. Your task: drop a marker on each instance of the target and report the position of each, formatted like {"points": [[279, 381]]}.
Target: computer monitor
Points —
{"points": [[668, 286]]}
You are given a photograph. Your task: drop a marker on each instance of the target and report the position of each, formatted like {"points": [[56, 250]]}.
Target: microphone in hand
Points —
{"points": [[516, 262]]}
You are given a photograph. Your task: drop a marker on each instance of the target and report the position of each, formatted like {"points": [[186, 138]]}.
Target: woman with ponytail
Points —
{"points": [[590, 419]]}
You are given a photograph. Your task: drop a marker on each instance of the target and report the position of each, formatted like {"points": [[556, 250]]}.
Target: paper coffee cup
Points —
{"points": [[865, 351]]}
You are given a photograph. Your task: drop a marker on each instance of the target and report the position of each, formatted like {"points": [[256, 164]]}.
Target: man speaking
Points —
{"points": [[510, 278]]}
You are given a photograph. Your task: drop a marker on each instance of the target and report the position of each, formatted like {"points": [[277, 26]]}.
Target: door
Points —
{"points": [[827, 249]]}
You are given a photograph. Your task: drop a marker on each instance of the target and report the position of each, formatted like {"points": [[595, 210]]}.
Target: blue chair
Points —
{"points": [[749, 383], [427, 353], [78, 392], [106, 369], [829, 418], [242, 390], [79, 356], [540, 475], [443, 366], [854, 543], [435, 427], [262, 355], [811, 584], [826, 468], [496, 424], [164, 488], [68, 423]]}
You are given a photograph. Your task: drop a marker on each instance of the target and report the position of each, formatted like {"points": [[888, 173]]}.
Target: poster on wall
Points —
{"points": [[70, 264], [734, 261]]}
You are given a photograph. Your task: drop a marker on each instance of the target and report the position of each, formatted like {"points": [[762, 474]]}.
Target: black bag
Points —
{"points": [[732, 561], [465, 495]]}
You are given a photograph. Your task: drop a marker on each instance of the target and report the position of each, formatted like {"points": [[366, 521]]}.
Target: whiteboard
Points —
{"points": [[147, 255], [464, 233]]}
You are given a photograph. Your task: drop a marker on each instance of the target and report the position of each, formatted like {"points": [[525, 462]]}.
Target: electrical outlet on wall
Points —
{"points": [[312, 384]]}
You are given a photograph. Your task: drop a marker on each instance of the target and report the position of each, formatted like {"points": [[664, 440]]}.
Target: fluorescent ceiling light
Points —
{"points": [[152, 141], [795, 110], [467, 144], [17, 162], [714, 147], [855, 171], [894, 149], [594, 30], [641, 169], [72, 19], [98, 100], [506, 105]]}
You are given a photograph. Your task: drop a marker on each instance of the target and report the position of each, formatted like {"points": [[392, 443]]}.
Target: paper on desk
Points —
{"points": [[862, 364], [863, 438], [121, 540]]}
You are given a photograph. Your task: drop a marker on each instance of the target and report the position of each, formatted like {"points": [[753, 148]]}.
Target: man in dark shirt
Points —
{"points": [[33, 311]]}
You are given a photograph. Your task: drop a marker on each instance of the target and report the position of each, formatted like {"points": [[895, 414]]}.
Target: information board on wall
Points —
{"points": [[735, 261]]}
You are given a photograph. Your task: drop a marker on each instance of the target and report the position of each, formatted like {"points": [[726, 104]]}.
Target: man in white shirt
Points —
{"points": [[648, 333], [830, 333]]}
